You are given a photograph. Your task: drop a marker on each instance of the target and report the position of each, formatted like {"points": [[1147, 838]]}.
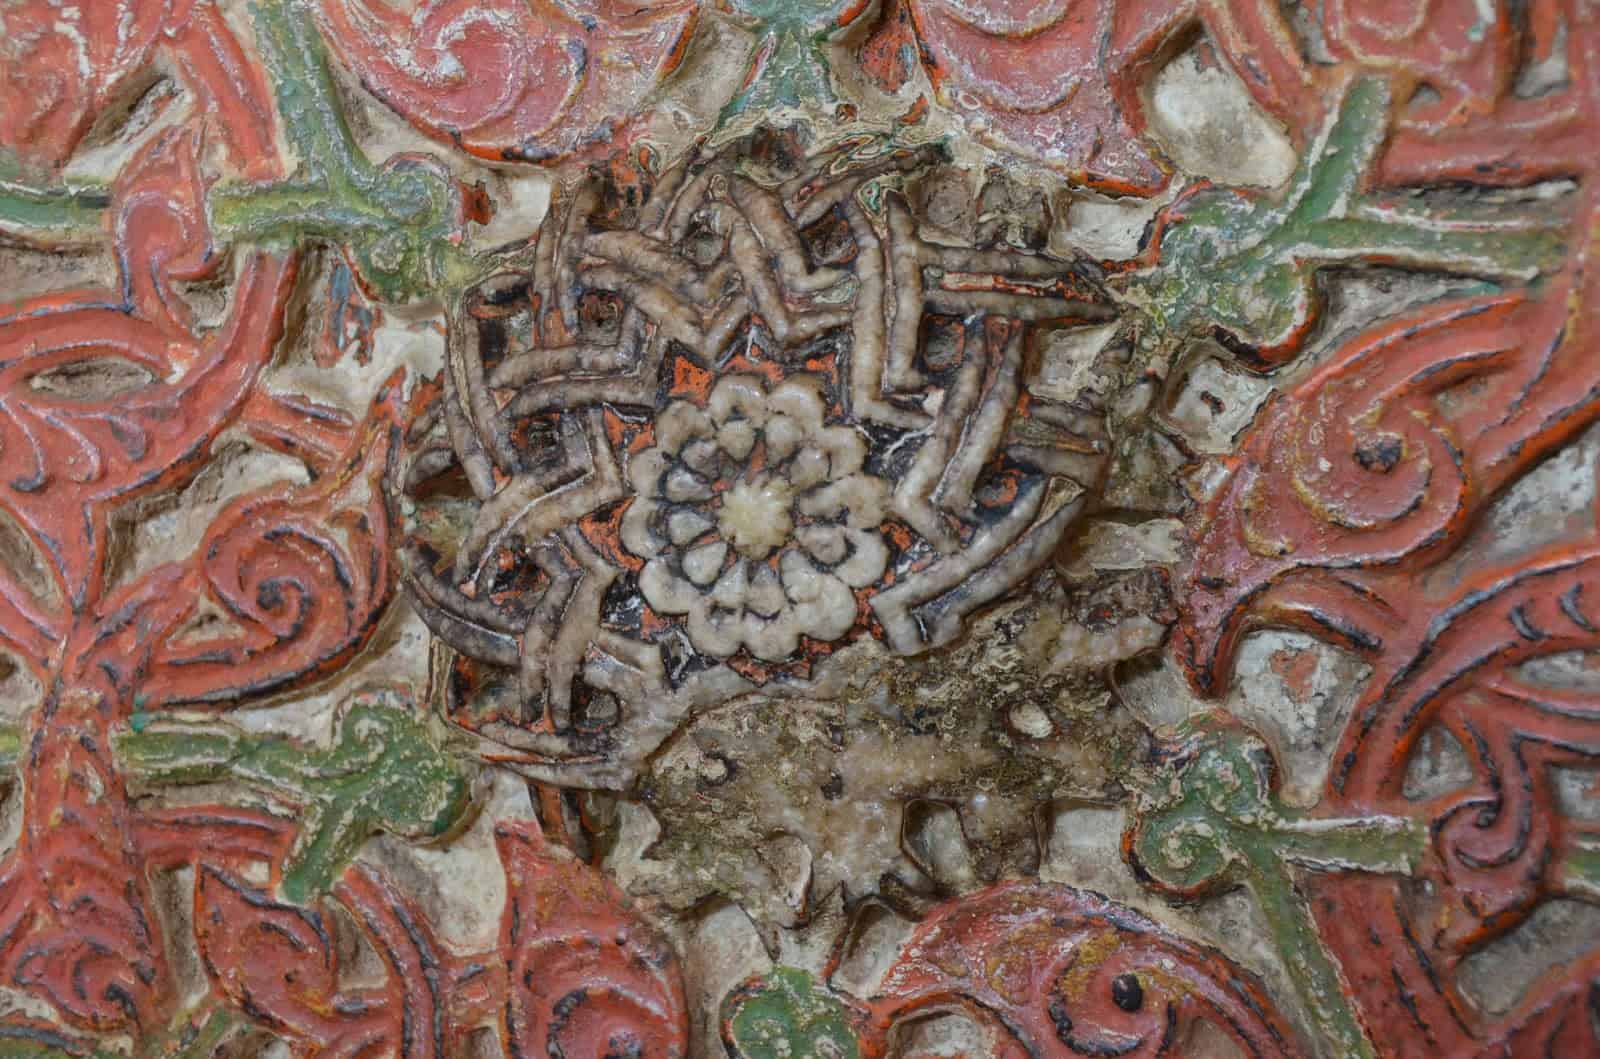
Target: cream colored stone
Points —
{"points": [[755, 515]]}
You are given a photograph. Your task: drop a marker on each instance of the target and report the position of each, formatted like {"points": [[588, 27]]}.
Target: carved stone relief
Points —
{"points": [[841, 528]]}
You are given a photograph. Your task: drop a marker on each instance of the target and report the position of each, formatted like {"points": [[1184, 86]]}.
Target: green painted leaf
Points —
{"points": [[400, 222], [1210, 819], [788, 1014], [1246, 263], [383, 773]]}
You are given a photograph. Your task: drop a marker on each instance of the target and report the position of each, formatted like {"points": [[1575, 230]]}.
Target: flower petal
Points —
{"points": [[637, 536], [809, 467], [645, 470], [683, 525], [783, 435], [772, 640], [845, 450], [831, 613], [665, 590], [702, 565], [714, 630], [731, 588], [683, 485], [869, 557], [801, 579], [765, 596], [679, 424], [800, 398], [737, 438], [825, 542], [704, 456], [862, 498]]}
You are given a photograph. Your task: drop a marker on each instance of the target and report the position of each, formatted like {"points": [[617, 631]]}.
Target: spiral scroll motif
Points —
{"points": [[586, 977], [1056, 971]]}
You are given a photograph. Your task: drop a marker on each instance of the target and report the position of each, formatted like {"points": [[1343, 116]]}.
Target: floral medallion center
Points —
{"points": [[756, 518], [738, 414], [755, 515]]}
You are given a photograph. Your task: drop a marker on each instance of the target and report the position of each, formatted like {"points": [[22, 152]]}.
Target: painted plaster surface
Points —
{"points": [[833, 528]]}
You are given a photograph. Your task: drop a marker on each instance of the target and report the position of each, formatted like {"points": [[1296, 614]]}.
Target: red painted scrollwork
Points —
{"points": [[77, 920], [1344, 514], [510, 80], [286, 583], [64, 67], [585, 976], [300, 573], [1052, 971], [1064, 81]]}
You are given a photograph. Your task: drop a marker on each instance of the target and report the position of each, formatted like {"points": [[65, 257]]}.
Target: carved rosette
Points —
{"points": [[739, 413], [756, 518]]}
